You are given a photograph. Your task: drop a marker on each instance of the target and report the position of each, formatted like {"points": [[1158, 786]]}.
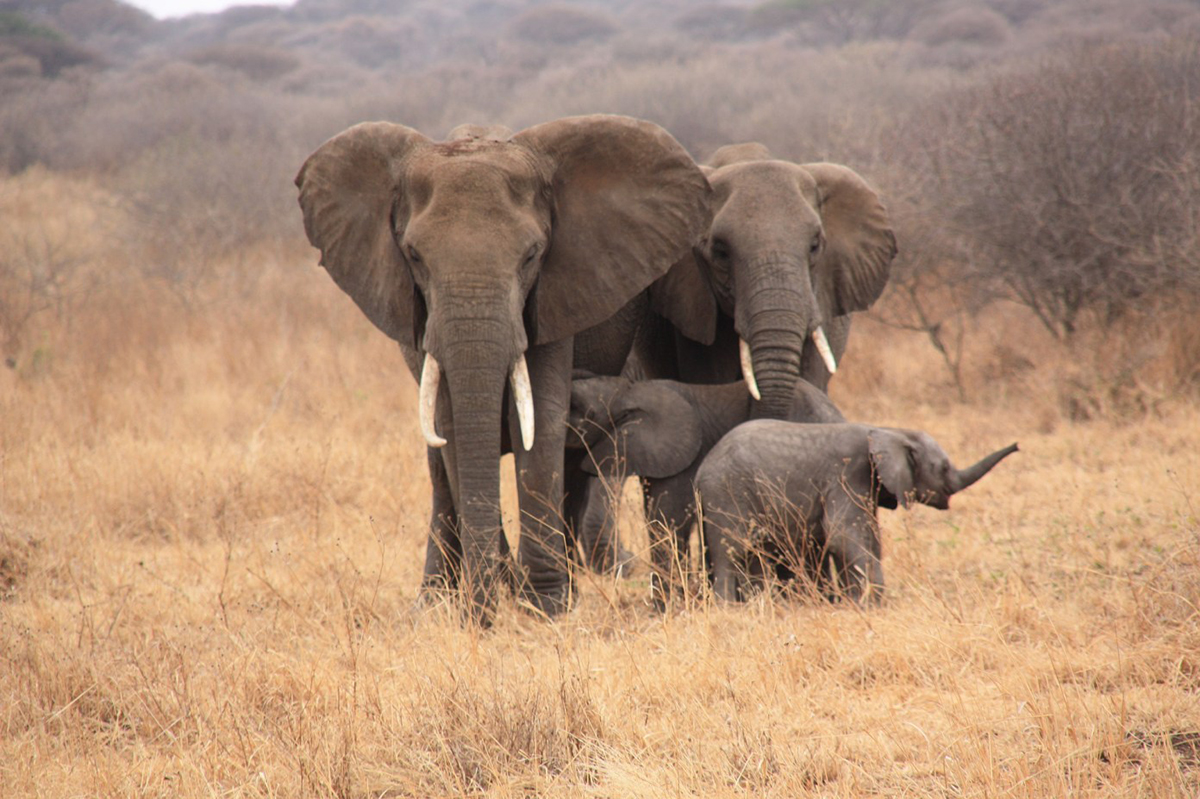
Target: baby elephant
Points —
{"points": [[660, 430], [772, 487]]}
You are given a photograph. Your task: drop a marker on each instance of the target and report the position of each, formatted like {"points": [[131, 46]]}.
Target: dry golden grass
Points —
{"points": [[212, 529]]}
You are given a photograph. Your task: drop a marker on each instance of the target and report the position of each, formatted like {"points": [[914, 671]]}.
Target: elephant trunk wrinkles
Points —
{"points": [[775, 312], [477, 366], [963, 478]]}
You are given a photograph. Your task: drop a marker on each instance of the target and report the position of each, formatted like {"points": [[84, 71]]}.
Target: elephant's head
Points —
{"points": [[642, 428], [910, 466], [790, 248], [471, 250]]}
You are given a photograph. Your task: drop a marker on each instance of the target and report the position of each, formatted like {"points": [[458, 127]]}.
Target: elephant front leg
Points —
{"points": [[543, 546], [852, 540], [596, 529], [443, 552], [669, 513]]}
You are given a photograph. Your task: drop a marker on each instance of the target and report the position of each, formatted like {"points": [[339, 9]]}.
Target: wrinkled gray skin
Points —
{"points": [[484, 252], [791, 247], [780, 488], [661, 430]]}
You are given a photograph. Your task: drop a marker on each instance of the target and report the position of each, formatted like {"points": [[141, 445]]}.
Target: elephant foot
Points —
{"points": [[547, 601]]}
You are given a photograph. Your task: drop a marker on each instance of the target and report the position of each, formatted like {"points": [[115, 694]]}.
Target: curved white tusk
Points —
{"points": [[822, 343], [748, 368], [431, 376], [523, 397]]}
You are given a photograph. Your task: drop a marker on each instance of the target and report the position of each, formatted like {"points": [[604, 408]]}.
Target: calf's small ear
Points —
{"points": [[891, 458]]}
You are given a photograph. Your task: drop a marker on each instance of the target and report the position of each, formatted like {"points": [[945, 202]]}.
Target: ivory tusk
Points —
{"points": [[431, 376], [822, 343], [748, 368], [523, 397]]}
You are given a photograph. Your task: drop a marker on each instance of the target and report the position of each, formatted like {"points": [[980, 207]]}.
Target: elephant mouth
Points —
{"points": [[522, 393], [747, 359]]}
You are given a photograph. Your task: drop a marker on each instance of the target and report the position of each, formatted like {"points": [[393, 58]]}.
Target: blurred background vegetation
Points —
{"points": [[1040, 155]]}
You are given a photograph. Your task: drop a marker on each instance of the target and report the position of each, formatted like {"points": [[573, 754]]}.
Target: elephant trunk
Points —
{"points": [[963, 478], [776, 311], [477, 360]]}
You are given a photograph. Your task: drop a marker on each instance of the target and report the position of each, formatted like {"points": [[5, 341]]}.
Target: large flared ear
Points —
{"points": [[628, 204], [892, 459], [684, 296], [860, 245], [348, 188], [655, 434], [737, 153]]}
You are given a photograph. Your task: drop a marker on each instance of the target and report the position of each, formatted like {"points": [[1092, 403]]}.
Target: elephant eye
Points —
{"points": [[533, 253], [413, 255], [815, 247], [720, 249]]}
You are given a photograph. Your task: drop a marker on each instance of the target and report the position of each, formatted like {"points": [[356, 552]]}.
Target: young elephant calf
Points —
{"points": [[772, 487], [660, 430]]}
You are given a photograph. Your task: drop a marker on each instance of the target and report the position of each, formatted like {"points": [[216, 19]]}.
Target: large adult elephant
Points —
{"points": [[792, 251], [493, 259]]}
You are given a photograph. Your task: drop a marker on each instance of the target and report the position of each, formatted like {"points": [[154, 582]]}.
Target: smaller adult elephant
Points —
{"points": [[661, 430], [792, 251], [812, 491]]}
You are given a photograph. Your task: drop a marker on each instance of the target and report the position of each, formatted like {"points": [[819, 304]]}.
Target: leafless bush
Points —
{"points": [[255, 62], [836, 22], [562, 25], [714, 21], [973, 24], [1076, 184]]}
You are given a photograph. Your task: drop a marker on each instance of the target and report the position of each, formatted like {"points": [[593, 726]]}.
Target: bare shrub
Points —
{"points": [[972, 24], [46, 260], [1017, 11], [1076, 184], [562, 25], [835, 22], [257, 63], [84, 18], [714, 22]]}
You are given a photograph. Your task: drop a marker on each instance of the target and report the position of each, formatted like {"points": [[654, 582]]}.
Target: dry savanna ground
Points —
{"points": [[212, 512]]}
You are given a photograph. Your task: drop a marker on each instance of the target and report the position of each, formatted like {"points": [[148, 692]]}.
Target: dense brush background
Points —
{"points": [[212, 487]]}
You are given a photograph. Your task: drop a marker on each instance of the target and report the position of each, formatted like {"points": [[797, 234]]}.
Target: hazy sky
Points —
{"points": [[179, 8]]}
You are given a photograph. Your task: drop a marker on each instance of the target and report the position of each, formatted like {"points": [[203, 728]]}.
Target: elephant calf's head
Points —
{"points": [[910, 466], [643, 428]]}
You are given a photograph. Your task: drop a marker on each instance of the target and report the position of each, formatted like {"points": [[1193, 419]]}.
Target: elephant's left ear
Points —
{"points": [[628, 204], [859, 242], [891, 458]]}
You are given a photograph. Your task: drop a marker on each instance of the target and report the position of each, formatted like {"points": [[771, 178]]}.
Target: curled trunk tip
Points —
{"points": [[964, 478]]}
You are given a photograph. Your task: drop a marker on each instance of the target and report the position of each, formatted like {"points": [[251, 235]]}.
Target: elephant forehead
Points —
{"points": [[461, 177], [764, 183], [769, 188]]}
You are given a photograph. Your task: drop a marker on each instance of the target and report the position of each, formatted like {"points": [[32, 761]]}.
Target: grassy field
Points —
{"points": [[212, 519]]}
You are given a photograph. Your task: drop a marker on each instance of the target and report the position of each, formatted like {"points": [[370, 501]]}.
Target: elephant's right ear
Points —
{"points": [[348, 187], [684, 296], [859, 242], [891, 458]]}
